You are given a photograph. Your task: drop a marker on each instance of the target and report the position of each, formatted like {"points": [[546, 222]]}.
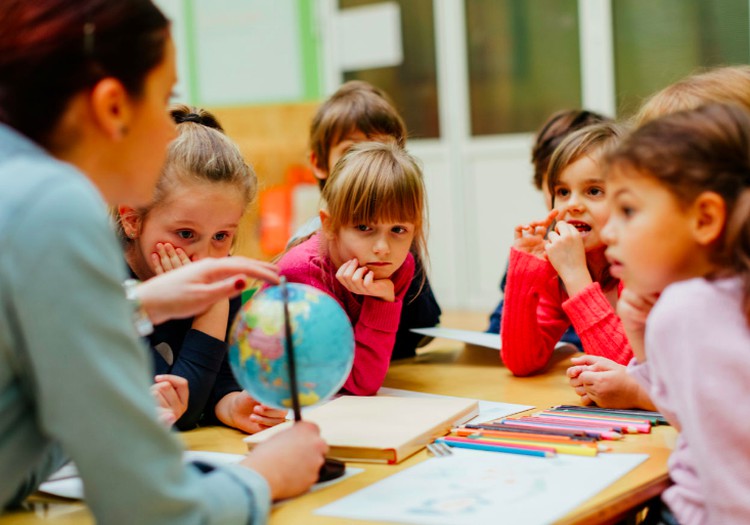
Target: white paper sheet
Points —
{"points": [[65, 483], [471, 487], [472, 337]]}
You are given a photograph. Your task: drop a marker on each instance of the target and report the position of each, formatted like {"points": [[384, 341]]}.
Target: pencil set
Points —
{"points": [[559, 430]]}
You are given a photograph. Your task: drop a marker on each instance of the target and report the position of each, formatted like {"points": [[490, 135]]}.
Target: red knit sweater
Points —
{"points": [[537, 312], [375, 321]]}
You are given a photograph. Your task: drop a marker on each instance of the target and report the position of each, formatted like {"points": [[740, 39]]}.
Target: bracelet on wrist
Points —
{"points": [[141, 320]]}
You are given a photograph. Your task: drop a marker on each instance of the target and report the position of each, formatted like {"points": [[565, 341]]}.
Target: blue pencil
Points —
{"points": [[497, 448]]}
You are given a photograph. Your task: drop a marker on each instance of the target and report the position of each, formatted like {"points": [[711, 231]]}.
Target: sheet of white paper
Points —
{"points": [[65, 483], [488, 410], [471, 487], [472, 337]]}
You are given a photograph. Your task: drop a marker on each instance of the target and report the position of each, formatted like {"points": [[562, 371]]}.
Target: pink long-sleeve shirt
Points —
{"points": [[697, 372], [537, 312], [375, 321]]}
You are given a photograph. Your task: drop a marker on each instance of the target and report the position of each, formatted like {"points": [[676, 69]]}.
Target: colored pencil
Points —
{"points": [[584, 425], [560, 448], [597, 415], [585, 431], [610, 425], [544, 447], [497, 448], [551, 438], [642, 426], [578, 436], [647, 414]]}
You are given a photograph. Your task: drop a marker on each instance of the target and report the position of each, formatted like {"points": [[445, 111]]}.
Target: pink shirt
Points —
{"points": [[537, 312], [698, 374], [375, 321]]}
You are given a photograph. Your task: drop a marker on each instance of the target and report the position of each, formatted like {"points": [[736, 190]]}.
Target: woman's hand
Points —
{"points": [[531, 238], [191, 289], [289, 461], [171, 393], [240, 411], [361, 280]]}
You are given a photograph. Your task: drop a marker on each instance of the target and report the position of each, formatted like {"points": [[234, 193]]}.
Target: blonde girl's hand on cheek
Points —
{"points": [[171, 393], [531, 238], [167, 258], [240, 411], [214, 320], [361, 280]]}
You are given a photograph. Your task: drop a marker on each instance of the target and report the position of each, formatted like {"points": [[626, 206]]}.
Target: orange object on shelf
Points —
{"points": [[275, 219]]}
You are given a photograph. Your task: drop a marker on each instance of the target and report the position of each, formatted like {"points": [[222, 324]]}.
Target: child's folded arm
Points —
{"points": [[598, 325]]}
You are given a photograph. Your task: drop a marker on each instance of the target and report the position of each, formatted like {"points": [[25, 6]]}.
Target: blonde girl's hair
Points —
{"points": [[729, 84], [691, 152], [200, 153], [378, 182]]}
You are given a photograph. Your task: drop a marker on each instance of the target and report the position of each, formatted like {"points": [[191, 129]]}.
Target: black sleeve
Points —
{"points": [[225, 381], [199, 361], [420, 310]]}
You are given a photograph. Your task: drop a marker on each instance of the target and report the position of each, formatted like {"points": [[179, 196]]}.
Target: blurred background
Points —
{"points": [[473, 80]]}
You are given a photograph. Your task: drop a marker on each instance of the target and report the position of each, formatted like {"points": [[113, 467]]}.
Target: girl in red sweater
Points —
{"points": [[372, 222], [558, 275]]}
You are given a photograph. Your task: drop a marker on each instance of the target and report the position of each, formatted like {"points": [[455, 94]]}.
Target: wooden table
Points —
{"points": [[443, 367]]}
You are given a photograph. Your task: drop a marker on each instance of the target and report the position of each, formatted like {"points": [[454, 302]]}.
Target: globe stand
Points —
{"points": [[332, 468]]}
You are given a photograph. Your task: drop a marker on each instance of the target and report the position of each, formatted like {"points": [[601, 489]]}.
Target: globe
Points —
{"points": [[323, 346]]}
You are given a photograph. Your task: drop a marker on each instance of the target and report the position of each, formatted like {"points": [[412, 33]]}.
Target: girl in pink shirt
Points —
{"points": [[680, 227], [372, 222], [557, 274]]}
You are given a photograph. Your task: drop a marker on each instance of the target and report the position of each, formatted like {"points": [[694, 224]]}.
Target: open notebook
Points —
{"points": [[382, 429]]}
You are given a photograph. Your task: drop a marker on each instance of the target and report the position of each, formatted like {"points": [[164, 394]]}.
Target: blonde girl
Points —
{"points": [[558, 275], [198, 203], [372, 221]]}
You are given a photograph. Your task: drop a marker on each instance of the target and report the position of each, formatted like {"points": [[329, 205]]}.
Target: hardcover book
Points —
{"points": [[384, 429]]}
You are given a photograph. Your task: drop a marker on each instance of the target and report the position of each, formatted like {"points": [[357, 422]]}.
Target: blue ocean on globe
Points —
{"points": [[323, 346]]}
